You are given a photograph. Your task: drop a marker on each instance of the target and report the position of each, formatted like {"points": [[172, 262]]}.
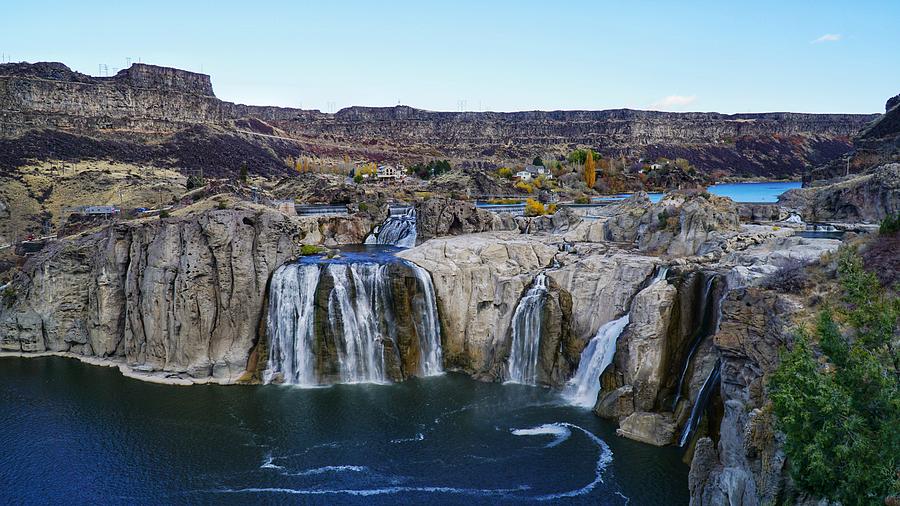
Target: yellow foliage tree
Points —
{"points": [[590, 170], [534, 208]]}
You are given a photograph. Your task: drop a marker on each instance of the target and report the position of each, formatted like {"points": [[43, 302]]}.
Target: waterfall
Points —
{"points": [[399, 229], [526, 333], [363, 327], [583, 388], [706, 391], [428, 327], [351, 316], [702, 332], [661, 271], [290, 326]]}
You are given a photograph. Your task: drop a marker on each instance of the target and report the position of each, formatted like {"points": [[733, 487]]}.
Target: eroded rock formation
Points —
{"points": [[182, 296]]}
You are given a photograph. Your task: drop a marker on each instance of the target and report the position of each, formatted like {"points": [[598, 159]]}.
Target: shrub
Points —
{"points": [[163, 214], [505, 172], [195, 182], [221, 205], [551, 208], [309, 249], [363, 207], [663, 217], [525, 187], [582, 199], [534, 208], [789, 278], [9, 295], [890, 224], [358, 179]]}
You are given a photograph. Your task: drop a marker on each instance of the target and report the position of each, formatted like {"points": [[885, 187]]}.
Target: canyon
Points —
{"points": [[664, 318], [210, 294]]}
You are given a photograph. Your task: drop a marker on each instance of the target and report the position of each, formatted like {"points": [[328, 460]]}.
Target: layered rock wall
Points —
{"points": [[182, 296]]}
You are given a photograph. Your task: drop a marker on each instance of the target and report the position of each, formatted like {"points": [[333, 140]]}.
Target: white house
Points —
{"points": [[523, 175], [388, 172], [538, 170]]}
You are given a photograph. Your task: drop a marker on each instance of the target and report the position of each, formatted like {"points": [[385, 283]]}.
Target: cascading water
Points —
{"points": [[290, 326], [428, 327], [360, 336], [357, 296], [709, 325], [706, 391], [526, 333], [584, 387], [399, 229]]}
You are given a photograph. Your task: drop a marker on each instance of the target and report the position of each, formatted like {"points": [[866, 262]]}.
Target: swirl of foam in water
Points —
{"points": [[559, 432]]}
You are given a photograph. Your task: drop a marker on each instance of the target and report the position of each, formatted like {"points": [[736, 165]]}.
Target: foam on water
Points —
{"points": [[559, 432]]}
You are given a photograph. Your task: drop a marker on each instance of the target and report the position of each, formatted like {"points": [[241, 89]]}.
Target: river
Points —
{"points": [[74, 433]]}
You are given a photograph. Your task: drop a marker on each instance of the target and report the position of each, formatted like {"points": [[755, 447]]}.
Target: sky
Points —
{"points": [[787, 55]]}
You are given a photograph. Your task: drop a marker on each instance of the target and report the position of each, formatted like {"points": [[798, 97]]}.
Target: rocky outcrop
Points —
{"points": [[437, 217], [746, 466], [480, 278], [146, 99], [863, 198], [181, 297], [683, 223]]}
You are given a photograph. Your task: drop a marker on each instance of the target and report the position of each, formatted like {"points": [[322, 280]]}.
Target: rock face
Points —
{"points": [[438, 217], [480, 278], [748, 464], [863, 198], [681, 224], [148, 99], [183, 295]]}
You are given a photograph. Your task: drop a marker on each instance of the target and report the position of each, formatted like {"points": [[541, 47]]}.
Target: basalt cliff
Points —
{"points": [[171, 117]]}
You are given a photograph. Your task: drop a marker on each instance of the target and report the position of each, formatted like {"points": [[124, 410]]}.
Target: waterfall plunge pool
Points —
{"points": [[75, 433]]}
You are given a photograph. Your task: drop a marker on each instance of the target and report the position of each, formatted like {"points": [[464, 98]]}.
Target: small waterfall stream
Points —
{"points": [[584, 387], [526, 333], [399, 229], [706, 391], [709, 325], [344, 320]]}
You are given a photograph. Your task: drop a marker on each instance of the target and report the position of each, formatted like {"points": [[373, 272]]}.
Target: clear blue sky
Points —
{"points": [[786, 55]]}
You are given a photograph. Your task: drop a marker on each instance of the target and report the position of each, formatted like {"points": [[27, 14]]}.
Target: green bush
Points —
{"points": [[222, 205], [195, 182], [164, 214], [890, 224], [9, 295], [358, 179], [582, 199], [363, 207], [840, 409], [310, 249]]}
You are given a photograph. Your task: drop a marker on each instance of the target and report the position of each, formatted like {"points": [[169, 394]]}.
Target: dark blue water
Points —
{"points": [[357, 253], [78, 434]]}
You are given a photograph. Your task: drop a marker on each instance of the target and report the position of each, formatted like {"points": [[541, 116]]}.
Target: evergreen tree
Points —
{"points": [[840, 409]]}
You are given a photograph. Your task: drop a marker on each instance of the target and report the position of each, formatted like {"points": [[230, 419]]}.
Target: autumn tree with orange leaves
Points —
{"points": [[590, 169]]}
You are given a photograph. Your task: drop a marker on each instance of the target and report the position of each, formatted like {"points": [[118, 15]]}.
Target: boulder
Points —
{"points": [[656, 429]]}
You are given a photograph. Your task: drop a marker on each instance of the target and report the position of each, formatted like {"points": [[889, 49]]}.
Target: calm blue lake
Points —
{"points": [[80, 434], [746, 192]]}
